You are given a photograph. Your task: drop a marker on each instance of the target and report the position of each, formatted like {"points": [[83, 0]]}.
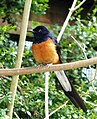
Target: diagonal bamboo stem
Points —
{"points": [[72, 9]]}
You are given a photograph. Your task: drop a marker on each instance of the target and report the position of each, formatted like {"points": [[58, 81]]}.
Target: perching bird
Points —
{"points": [[47, 51]]}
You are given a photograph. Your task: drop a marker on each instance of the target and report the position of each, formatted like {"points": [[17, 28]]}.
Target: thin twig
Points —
{"points": [[78, 6], [83, 49], [57, 109], [6, 77], [94, 105], [16, 115], [91, 79]]}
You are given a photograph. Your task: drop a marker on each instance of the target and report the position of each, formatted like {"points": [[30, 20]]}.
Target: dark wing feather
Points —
{"points": [[58, 48]]}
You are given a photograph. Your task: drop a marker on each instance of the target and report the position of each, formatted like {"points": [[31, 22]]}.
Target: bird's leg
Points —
{"points": [[48, 65], [40, 65]]}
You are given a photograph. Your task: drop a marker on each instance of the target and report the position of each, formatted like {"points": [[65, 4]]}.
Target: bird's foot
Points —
{"points": [[48, 65]]}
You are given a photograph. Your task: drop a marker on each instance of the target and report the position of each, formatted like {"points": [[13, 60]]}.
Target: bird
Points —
{"points": [[46, 50]]}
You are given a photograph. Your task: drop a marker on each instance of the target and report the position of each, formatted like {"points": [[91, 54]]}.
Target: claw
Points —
{"points": [[48, 65]]}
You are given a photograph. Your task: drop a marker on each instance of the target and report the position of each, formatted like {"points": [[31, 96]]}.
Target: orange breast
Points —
{"points": [[45, 52]]}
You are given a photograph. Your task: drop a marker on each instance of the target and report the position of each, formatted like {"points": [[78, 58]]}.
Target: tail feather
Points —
{"points": [[75, 98], [70, 91]]}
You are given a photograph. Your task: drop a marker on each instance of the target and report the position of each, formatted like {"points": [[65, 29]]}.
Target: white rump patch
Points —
{"points": [[63, 80]]}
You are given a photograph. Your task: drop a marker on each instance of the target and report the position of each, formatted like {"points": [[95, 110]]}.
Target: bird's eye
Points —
{"points": [[40, 30]]}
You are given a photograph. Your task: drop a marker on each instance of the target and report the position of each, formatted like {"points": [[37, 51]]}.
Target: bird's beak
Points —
{"points": [[30, 30]]}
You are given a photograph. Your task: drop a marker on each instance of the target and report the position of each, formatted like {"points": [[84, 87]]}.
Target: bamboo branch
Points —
{"points": [[57, 67], [46, 94], [14, 82], [66, 21]]}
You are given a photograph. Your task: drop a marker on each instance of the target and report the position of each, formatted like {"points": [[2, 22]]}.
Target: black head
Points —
{"points": [[41, 33], [40, 30]]}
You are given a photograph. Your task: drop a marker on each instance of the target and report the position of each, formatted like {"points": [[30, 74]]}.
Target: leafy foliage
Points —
{"points": [[10, 9]]}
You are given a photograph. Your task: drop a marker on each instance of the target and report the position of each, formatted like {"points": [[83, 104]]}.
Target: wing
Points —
{"points": [[58, 48]]}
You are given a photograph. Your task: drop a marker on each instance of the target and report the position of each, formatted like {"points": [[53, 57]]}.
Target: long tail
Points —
{"points": [[70, 91]]}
